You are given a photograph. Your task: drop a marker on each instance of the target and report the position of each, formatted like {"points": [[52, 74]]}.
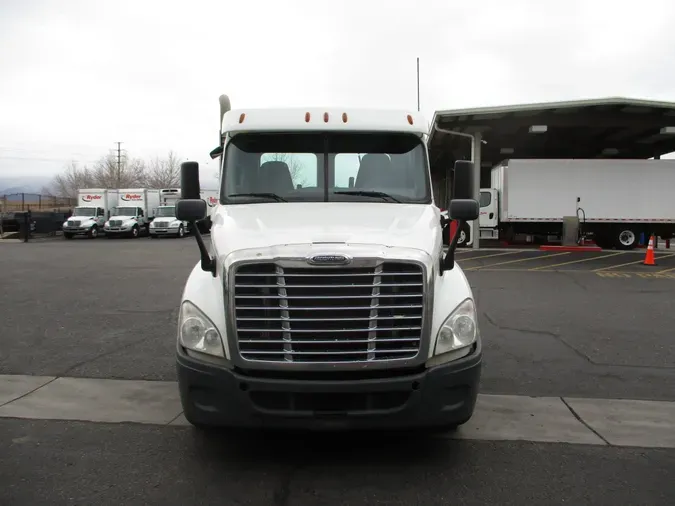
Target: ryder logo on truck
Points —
{"points": [[212, 201], [90, 198], [131, 197]]}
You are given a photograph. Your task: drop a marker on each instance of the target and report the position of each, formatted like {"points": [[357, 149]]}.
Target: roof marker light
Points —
{"points": [[410, 120], [242, 116], [306, 117], [325, 117], [344, 117]]}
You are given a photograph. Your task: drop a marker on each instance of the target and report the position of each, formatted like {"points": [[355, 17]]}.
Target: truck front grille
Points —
{"points": [[329, 315], [116, 223], [74, 223], [162, 224]]}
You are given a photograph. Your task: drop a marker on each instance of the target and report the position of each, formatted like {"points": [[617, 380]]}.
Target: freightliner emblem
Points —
{"points": [[329, 260]]}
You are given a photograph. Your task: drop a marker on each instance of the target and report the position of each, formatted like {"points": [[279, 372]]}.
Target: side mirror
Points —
{"points": [[462, 181], [189, 180], [190, 210], [216, 152], [464, 209]]}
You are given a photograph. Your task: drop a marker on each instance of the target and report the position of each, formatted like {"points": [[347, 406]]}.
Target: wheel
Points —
{"points": [[181, 232], [135, 232], [93, 232], [66, 235], [625, 238]]}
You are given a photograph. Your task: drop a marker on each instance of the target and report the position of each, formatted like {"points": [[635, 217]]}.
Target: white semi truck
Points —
{"points": [[165, 222], [325, 304], [92, 211], [135, 210], [616, 201]]}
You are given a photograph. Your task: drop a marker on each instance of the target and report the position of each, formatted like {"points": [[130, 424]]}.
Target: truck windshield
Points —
{"points": [[84, 211], [166, 212], [325, 167], [126, 211]]}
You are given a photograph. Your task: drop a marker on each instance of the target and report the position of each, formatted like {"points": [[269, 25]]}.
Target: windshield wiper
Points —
{"points": [[265, 195], [367, 193]]}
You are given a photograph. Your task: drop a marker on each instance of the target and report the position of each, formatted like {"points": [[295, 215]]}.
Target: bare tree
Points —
{"points": [[70, 181], [108, 173], [163, 172]]}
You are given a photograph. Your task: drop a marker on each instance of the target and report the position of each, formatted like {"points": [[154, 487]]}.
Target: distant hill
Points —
{"points": [[28, 184]]}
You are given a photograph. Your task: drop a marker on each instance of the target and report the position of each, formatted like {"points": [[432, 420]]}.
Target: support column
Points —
{"points": [[476, 145]]}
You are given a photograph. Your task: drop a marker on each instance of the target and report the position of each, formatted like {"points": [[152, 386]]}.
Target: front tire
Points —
{"points": [[135, 232], [93, 232], [181, 232]]}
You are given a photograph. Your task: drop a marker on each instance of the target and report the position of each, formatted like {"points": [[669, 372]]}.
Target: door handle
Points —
{"points": [[491, 215]]}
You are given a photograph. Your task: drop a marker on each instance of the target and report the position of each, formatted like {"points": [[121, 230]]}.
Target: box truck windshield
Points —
{"points": [[166, 212], [84, 211], [323, 167]]}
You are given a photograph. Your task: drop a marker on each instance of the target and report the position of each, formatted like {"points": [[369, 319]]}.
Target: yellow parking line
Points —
{"points": [[631, 263], [490, 256], [519, 260], [576, 261], [667, 270]]}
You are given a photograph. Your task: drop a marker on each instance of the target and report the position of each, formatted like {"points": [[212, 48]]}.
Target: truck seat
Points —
{"points": [[274, 177], [374, 172]]}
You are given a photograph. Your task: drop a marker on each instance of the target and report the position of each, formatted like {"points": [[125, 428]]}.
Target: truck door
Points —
{"points": [[488, 209]]}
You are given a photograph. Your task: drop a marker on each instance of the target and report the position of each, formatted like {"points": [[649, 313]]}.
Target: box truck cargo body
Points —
{"points": [[93, 209], [615, 200], [135, 210]]}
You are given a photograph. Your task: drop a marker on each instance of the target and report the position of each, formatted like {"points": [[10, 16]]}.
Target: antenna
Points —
{"points": [[418, 84]]}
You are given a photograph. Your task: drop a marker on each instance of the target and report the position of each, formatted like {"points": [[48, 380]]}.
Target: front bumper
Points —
{"points": [[75, 230], [438, 397], [163, 231]]}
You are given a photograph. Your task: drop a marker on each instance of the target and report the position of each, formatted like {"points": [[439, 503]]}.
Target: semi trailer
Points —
{"points": [[614, 201]]}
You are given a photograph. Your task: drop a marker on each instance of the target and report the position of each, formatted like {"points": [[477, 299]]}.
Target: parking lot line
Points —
{"points": [[518, 260], [544, 267], [488, 256], [632, 263], [672, 269]]}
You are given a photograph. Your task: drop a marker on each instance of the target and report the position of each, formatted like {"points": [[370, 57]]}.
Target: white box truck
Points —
{"points": [[165, 222], [135, 210], [320, 303], [90, 214], [616, 200]]}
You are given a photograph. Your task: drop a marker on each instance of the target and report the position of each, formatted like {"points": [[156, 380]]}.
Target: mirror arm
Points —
{"points": [[208, 262], [449, 260]]}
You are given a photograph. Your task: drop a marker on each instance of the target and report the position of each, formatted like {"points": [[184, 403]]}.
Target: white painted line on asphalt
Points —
{"points": [[99, 400], [497, 417], [650, 424], [13, 386], [521, 418]]}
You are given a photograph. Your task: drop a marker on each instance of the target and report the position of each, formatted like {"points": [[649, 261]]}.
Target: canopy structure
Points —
{"points": [[600, 128]]}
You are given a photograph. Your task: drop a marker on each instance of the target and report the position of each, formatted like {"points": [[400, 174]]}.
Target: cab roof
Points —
{"points": [[324, 119]]}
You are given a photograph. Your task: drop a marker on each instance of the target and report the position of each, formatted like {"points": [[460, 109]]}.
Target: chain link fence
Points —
{"points": [[23, 215]]}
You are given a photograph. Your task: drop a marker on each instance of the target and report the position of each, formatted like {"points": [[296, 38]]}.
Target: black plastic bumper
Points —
{"points": [[437, 397]]}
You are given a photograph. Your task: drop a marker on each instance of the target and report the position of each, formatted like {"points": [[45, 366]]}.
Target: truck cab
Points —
{"points": [[489, 213], [166, 223], [126, 220], [326, 299]]}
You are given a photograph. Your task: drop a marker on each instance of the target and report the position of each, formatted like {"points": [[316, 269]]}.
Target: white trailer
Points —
{"points": [[93, 209], [616, 200], [136, 208]]}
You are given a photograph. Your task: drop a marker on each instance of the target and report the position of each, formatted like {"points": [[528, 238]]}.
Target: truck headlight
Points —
{"points": [[459, 330], [196, 332]]}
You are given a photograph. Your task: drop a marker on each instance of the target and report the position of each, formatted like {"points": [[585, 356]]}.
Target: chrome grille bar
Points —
{"points": [[342, 314]]}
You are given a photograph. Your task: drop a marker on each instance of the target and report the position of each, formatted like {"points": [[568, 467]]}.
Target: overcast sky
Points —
{"points": [[78, 75]]}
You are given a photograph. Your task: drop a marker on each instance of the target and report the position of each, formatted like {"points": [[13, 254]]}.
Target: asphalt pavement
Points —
{"points": [[573, 326]]}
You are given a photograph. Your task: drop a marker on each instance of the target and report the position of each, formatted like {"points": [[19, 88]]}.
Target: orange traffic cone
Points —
{"points": [[649, 257]]}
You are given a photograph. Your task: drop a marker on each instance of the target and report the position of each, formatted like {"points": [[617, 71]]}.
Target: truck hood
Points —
{"points": [[123, 218], [247, 226]]}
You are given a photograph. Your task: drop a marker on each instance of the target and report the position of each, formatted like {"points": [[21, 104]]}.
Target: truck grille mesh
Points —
{"points": [[328, 315], [116, 223], [74, 223]]}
